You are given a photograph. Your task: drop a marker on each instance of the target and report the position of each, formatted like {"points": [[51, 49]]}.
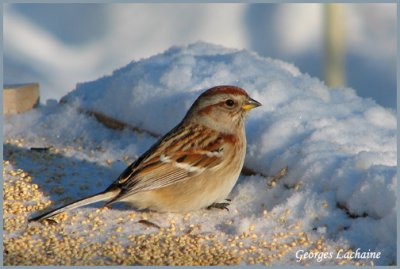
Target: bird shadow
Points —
{"points": [[61, 178]]}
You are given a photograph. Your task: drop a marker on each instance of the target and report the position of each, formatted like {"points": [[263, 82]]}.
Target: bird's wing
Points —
{"points": [[179, 155]]}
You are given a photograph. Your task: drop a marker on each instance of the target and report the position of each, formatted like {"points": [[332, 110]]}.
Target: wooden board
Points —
{"points": [[20, 98]]}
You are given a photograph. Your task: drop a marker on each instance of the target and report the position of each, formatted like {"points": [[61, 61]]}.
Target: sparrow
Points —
{"points": [[193, 166]]}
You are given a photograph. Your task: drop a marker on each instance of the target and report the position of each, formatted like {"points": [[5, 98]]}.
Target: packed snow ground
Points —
{"points": [[340, 149]]}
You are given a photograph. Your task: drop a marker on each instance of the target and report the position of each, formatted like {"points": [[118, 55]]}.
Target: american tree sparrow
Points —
{"points": [[193, 166]]}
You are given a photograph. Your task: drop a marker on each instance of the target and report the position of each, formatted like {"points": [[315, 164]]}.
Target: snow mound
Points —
{"points": [[340, 149]]}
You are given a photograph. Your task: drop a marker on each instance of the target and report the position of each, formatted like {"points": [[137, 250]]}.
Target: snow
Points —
{"points": [[80, 42], [340, 149]]}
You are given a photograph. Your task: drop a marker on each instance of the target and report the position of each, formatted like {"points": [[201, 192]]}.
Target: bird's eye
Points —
{"points": [[229, 102]]}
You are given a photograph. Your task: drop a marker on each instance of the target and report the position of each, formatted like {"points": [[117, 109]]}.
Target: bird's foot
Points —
{"points": [[219, 206]]}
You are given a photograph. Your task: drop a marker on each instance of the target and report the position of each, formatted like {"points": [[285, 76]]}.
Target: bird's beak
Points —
{"points": [[250, 104]]}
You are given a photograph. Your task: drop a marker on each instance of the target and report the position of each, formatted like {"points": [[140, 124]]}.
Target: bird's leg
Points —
{"points": [[219, 206]]}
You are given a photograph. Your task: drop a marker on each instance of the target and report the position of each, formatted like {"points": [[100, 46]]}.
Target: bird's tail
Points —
{"points": [[103, 196]]}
